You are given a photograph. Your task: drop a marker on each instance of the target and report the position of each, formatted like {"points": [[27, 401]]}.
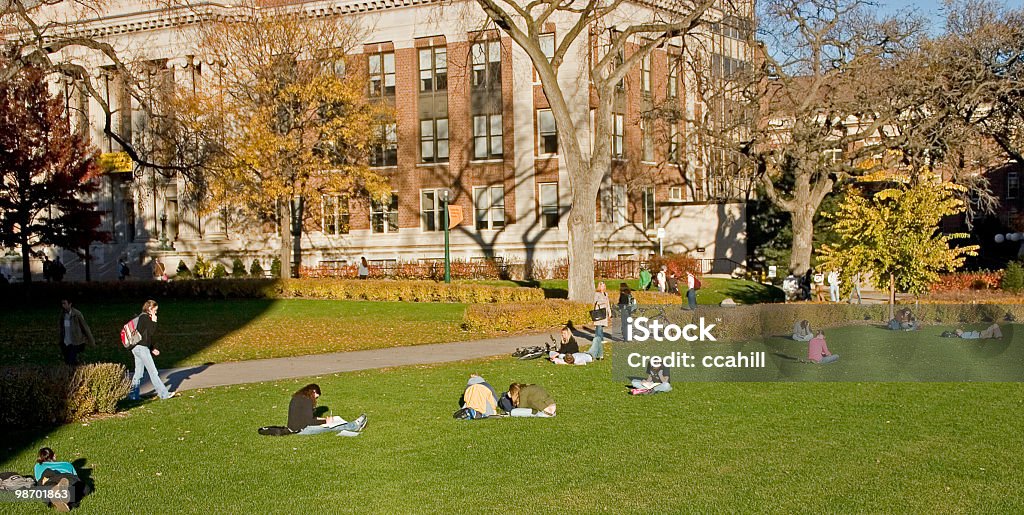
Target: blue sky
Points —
{"points": [[929, 8]]}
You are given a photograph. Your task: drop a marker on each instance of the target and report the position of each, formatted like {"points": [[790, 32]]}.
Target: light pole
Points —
{"points": [[444, 221]]}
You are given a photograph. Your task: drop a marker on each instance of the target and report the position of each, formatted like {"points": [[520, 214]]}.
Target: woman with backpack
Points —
{"points": [[302, 418], [144, 351], [530, 400], [626, 305]]}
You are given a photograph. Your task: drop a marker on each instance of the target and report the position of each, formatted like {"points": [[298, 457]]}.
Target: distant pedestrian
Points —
{"points": [[627, 303], [364, 268], [691, 290], [122, 270], [47, 268], [833, 285], [58, 270], [144, 352], [601, 302], [159, 271], [645, 279], [819, 286], [855, 289], [663, 279], [74, 333]]}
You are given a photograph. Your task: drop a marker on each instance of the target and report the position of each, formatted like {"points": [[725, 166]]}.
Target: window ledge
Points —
{"points": [[547, 156], [486, 161], [432, 164], [384, 167]]}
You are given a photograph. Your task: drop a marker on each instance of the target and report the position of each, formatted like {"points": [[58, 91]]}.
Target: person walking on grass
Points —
{"points": [[691, 290], [144, 352], [74, 333], [601, 302], [626, 305]]}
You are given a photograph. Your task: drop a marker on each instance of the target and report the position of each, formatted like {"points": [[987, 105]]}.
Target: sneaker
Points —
{"points": [[62, 487], [360, 422], [171, 396]]}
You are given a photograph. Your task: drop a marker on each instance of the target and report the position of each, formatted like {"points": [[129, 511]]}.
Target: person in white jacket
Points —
{"points": [[833, 285], [662, 279]]}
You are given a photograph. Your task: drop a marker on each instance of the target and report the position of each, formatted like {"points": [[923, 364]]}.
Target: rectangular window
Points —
{"points": [[549, 215], [433, 69], [675, 193], [382, 74], [675, 146], [490, 207], [613, 204], [547, 136], [1012, 185], [647, 139], [385, 152], [487, 142], [673, 77], [384, 215], [335, 215], [547, 45], [645, 74], [431, 211], [650, 209], [833, 156], [434, 141], [618, 135], [486, 65]]}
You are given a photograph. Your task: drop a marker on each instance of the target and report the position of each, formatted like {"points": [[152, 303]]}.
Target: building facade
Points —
{"points": [[470, 119]]}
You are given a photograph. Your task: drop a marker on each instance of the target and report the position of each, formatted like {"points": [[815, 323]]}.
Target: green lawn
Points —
{"points": [[713, 289], [736, 447], [192, 332]]}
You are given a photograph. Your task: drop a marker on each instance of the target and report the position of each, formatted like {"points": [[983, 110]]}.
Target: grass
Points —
{"points": [[713, 289], [194, 332], [737, 447]]}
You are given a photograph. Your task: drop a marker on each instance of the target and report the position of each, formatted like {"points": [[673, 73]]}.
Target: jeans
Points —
{"points": [[691, 298], [527, 412], [597, 348], [658, 387], [828, 359], [71, 352], [833, 292], [856, 291], [316, 430], [144, 363]]}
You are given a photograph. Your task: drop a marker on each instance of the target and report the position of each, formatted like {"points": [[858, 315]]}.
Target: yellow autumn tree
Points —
{"points": [[279, 117]]}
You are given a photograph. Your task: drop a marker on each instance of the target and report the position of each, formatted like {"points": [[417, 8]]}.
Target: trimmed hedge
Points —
{"points": [[336, 289], [44, 396], [525, 316]]}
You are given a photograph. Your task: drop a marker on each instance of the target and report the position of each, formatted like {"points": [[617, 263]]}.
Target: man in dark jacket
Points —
{"points": [[74, 333]]}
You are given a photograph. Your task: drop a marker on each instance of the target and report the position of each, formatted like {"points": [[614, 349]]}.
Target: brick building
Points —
{"points": [[471, 118]]}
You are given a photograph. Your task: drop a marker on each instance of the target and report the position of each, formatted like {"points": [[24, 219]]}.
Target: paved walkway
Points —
{"points": [[255, 371]]}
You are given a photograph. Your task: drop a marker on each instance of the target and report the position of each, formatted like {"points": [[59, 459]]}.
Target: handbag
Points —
{"points": [[597, 314]]}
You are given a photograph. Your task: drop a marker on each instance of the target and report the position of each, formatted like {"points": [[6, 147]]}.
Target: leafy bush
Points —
{"points": [[1013, 277], [237, 268], [677, 264], [275, 268], [202, 269], [256, 269], [525, 316], [397, 290], [219, 271], [183, 272], [963, 281], [44, 396]]}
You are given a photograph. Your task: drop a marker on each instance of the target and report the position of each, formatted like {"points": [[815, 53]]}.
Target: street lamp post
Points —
{"points": [[444, 220]]}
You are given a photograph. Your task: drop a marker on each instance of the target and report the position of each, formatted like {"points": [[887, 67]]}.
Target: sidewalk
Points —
{"points": [[255, 371]]}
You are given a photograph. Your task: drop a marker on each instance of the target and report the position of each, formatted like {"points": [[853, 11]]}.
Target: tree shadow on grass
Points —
{"points": [[754, 294]]}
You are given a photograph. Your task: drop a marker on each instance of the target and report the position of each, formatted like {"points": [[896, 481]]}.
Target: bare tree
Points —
{"points": [[605, 28]]}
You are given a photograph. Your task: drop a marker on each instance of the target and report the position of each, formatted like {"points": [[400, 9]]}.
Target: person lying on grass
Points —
{"points": [[530, 400], [62, 477], [991, 331], [577, 358], [817, 350], [657, 381], [303, 420], [479, 400]]}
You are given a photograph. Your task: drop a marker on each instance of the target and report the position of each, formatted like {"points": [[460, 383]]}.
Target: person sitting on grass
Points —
{"points": [[303, 420], [530, 400], [572, 358], [817, 350], [989, 332], [657, 381], [62, 477], [904, 321], [478, 400], [802, 331], [567, 342]]}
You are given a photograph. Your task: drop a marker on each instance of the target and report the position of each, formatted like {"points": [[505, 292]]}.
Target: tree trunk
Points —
{"points": [[892, 296], [297, 205], [26, 264], [581, 240], [285, 252], [803, 240]]}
